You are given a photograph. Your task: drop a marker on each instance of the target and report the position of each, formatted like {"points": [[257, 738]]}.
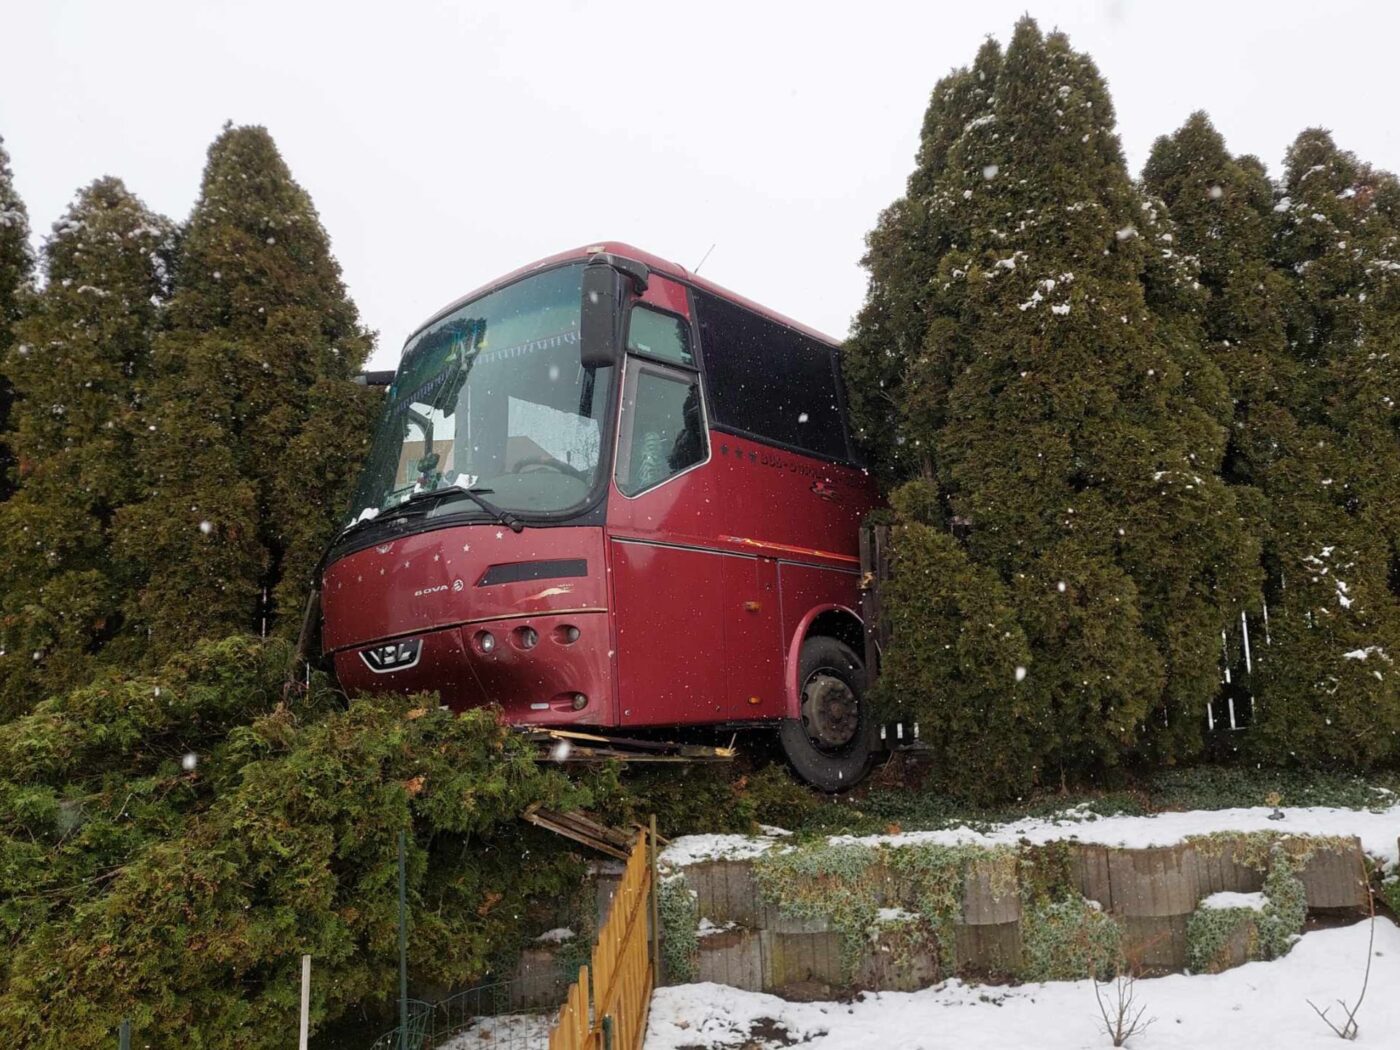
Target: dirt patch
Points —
{"points": [[764, 1034]]}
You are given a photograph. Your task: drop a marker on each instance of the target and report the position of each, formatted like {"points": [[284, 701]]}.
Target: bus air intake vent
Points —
{"points": [[525, 571]]}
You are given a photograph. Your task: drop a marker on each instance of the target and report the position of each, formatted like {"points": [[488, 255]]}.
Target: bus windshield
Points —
{"points": [[492, 398]]}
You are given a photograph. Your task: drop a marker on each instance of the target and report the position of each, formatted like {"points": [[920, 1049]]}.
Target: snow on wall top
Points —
{"points": [[1377, 830]]}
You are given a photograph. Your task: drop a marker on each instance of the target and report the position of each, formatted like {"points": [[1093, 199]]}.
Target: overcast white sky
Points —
{"points": [[447, 143]]}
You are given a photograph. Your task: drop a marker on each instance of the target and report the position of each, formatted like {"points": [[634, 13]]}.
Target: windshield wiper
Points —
{"points": [[503, 517]]}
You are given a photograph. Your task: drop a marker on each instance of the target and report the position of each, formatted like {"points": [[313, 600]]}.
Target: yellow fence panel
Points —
{"points": [[624, 966]]}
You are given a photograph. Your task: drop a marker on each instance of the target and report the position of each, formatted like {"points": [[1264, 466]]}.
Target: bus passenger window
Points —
{"points": [[663, 432], [659, 335]]}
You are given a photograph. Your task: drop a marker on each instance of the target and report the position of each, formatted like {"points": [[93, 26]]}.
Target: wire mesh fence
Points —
{"points": [[503, 1015]]}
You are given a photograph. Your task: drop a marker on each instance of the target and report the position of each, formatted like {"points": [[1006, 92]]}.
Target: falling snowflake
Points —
{"points": [[189, 762], [206, 527], [990, 172], [1216, 193], [1020, 674], [1060, 586], [560, 751], [802, 417]]}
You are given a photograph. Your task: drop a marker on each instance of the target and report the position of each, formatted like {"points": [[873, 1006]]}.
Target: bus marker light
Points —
{"points": [[485, 641]]}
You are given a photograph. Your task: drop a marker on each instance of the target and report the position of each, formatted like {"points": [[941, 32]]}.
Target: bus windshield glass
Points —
{"points": [[492, 398]]}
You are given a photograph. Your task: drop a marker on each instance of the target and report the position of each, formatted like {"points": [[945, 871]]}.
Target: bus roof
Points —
{"points": [[653, 262]]}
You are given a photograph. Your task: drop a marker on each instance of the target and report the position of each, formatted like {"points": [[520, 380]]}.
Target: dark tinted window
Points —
{"points": [[769, 380]]}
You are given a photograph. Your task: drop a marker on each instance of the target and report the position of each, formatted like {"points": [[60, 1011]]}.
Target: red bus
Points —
{"points": [[606, 493]]}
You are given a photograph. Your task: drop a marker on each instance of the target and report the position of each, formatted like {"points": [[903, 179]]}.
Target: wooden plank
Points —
{"points": [[1155, 943], [987, 948], [1335, 879], [578, 828], [984, 902], [1154, 882], [1090, 870], [732, 957]]}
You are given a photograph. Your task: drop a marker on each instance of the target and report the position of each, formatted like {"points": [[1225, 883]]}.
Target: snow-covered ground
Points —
{"points": [[1261, 1005], [1377, 829]]}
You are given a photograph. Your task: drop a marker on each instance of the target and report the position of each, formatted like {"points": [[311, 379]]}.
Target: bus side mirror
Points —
{"points": [[605, 281]]}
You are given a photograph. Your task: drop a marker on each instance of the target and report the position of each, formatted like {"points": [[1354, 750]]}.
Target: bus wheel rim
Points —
{"points": [[830, 710]]}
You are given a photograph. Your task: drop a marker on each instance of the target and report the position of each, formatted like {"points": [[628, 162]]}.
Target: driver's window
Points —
{"points": [[663, 427]]}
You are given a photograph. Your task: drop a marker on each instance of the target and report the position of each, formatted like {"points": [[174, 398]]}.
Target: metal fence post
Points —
{"points": [[304, 1029], [655, 906], [124, 1034], [403, 949]]}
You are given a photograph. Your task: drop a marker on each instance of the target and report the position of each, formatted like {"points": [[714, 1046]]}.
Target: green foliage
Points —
{"points": [[1301, 294], [1031, 350], [183, 898], [82, 349], [16, 267], [251, 425], [1390, 893], [842, 884], [1285, 908], [1068, 940], [1267, 934], [700, 799], [1211, 932], [680, 922]]}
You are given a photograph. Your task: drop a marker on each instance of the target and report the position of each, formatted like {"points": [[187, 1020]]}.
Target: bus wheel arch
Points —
{"points": [[829, 734], [828, 621]]}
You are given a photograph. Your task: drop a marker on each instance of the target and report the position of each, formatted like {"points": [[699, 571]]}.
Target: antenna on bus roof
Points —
{"points": [[703, 258]]}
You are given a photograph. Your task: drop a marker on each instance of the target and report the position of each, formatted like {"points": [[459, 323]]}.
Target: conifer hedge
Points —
{"points": [[181, 893], [1139, 426]]}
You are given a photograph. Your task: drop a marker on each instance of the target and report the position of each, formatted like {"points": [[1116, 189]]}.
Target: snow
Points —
{"points": [[694, 849], [507, 1030], [1262, 1004], [1362, 654], [558, 935], [1376, 828], [1226, 899], [707, 928], [894, 916]]}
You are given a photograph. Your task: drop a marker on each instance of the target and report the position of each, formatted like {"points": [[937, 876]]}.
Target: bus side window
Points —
{"points": [[663, 429], [659, 334]]}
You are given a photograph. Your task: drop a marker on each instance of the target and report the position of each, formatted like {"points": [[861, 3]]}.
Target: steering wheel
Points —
{"points": [[550, 463]]}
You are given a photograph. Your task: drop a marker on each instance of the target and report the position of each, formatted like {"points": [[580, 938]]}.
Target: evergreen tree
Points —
{"points": [[1328, 689], [83, 348], [16, 265], [1052, 376], [244, 473]]}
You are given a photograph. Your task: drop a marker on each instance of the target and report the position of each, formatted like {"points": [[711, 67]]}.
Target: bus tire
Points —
{"points": [[832, 679]]}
